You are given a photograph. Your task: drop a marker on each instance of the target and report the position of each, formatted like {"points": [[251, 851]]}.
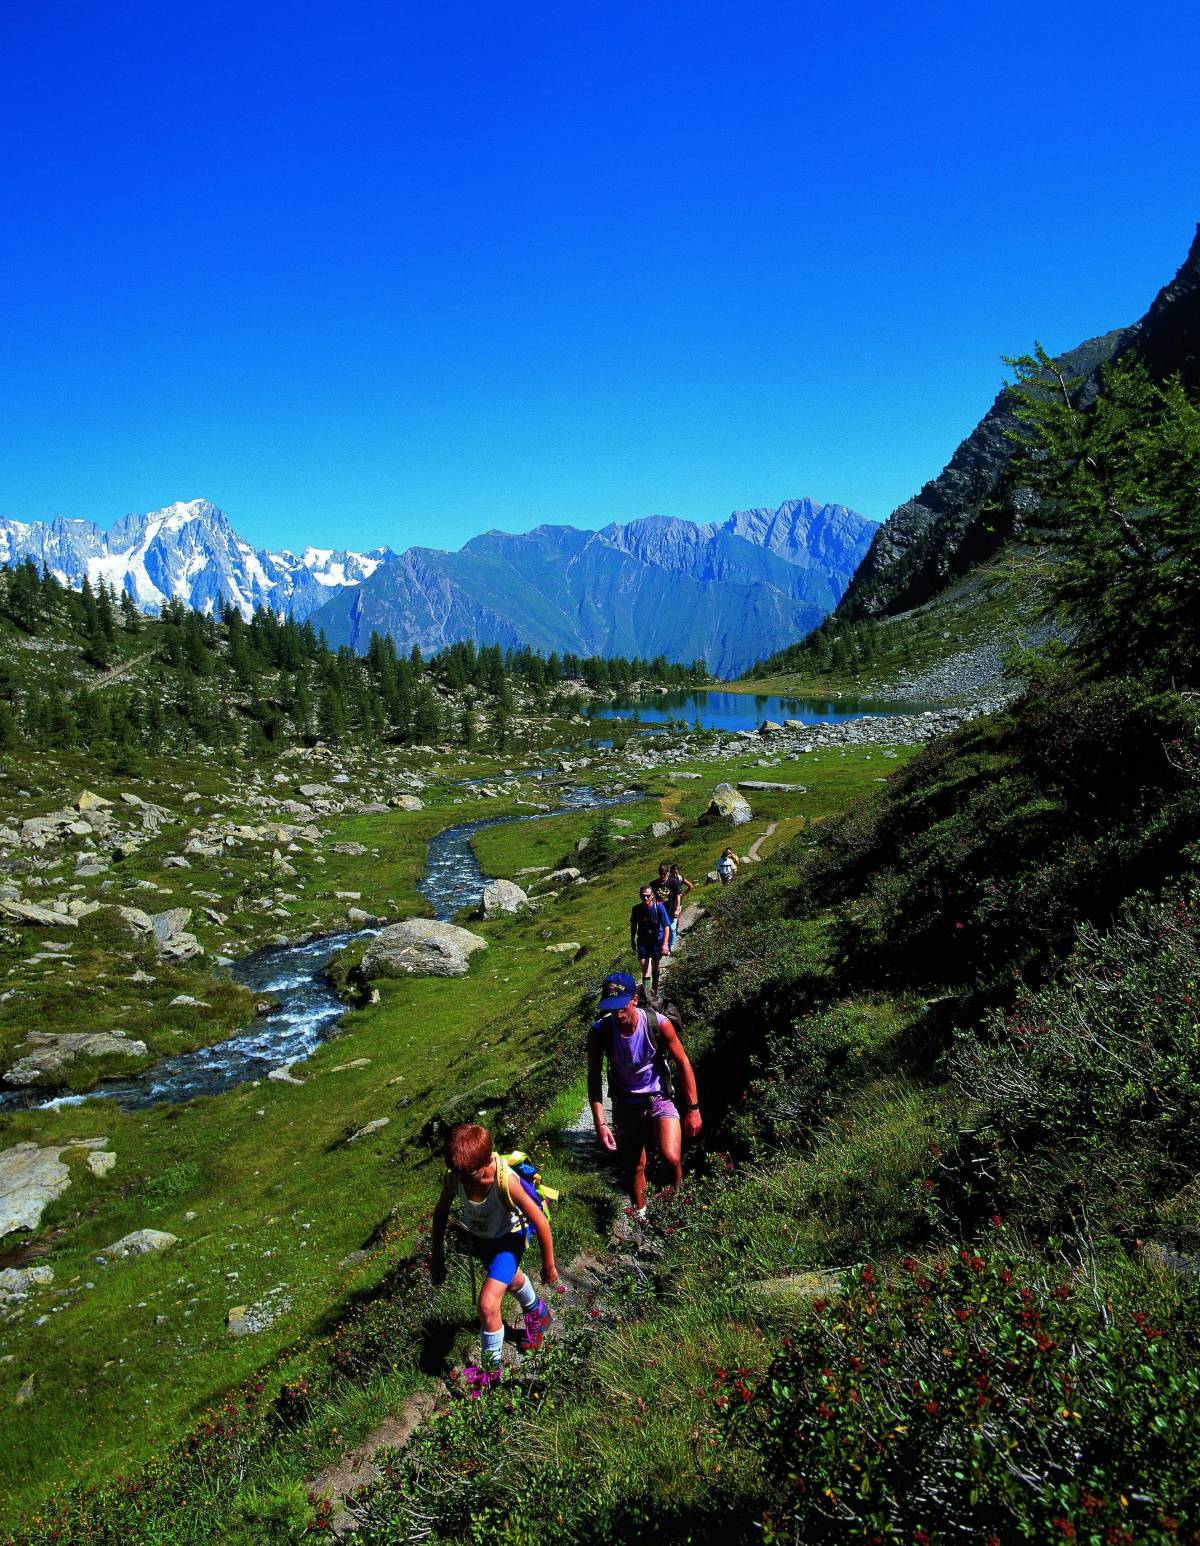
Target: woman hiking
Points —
{"points": [[636, 1043]]}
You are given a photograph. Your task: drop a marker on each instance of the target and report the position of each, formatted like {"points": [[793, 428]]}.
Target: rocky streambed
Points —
{"points": [[305, 1007]]}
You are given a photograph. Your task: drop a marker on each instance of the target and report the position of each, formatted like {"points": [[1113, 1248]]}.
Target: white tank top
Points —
{"points": [[492, 1218]]}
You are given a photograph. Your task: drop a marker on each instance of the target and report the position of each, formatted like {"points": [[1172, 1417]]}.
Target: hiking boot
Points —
{"points": [[536, 1321]]}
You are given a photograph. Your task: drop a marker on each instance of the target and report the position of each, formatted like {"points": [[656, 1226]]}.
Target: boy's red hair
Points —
{"points": [[468, 1147]]}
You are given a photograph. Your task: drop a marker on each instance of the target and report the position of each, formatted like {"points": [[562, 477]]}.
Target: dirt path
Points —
{"points": [[357, 1467], [586, 1274], [114, 672], [753, 852]]}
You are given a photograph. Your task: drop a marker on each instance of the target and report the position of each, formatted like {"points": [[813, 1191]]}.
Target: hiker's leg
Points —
{"points": [[657, 960], [669, 1143], [491, 1296], [633, 1159], [645, 964], [527, 1295]]}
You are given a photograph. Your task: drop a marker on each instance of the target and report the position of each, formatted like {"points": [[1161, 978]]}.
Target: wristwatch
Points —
{"points": [[692, 1105]]}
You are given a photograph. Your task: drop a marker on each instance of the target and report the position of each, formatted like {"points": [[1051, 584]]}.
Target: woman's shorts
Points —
{"points": [[649, 950], [501, 1257], [629, 1117]]}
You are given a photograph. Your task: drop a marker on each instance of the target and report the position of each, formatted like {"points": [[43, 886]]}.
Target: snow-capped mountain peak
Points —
{"points": [[189, 551]]}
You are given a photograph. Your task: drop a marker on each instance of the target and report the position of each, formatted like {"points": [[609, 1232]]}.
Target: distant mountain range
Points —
{"points": [[728, 592], [188, 550], [958, 518]]}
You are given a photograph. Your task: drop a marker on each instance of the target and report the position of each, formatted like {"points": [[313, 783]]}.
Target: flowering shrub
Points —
{"points": [[971, 1401]]}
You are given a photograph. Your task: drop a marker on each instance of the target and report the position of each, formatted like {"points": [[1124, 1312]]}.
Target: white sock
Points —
{"points": [[526, 1295], [491, 1348]]}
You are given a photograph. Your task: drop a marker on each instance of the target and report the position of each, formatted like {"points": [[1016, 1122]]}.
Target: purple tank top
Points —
{"points": [[631, 1064]]}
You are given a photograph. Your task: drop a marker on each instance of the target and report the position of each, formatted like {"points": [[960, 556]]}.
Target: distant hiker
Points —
{"points": [[677, 888], [662, 886], [727, 866], [637, 1043], [650, 937], [495, 1206]]}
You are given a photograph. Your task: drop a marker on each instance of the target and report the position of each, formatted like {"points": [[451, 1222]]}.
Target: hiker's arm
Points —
{"points": [[525, 1203], [691, 1119], [633, 923], [664, 929], [688, 885], [437, 1260], [596, 1090]]}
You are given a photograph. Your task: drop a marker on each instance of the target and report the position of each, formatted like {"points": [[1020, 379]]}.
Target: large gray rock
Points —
{"points": [[727, 805], [142, 1242], [420, 947], [406, 802], [502, 896], [135, 920], [16, 1282], [662, 828], [762, 783], [168, 924], [49, 1051], [30, 912], [31, 1177]]}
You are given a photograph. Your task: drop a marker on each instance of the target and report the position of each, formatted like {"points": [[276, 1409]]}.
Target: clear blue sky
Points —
{"points": [[399, 273]]}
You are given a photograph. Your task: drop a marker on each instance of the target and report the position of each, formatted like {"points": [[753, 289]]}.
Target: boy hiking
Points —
{"points": [[649, 937], [495, 1207], [636, 1044]]}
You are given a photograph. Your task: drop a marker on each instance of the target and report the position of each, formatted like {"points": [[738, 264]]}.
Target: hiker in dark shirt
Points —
{"points": [[677, 889], [650, 937]]}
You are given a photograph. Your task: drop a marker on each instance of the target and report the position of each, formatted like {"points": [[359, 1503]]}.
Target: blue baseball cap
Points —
{"points": [[618, 989]]}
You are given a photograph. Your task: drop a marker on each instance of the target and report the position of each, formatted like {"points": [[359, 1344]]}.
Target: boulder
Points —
{"points": [[135, 920], [502, 896], [168, 924], [352, 850], [15, 1282], [798, 1288], [31, 913], [662, 828], [31, 1177], [770, 727], [87, 800], [762, 783], [50, 1051], [406, 802], [567, 947], [361, 919], [142, 1242], [420, 947], [727, 805], [183, 947], [101, 1161], [313, 791]]}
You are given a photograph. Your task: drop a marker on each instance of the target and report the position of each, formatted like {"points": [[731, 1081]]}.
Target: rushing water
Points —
{"points": [[306, 1009], [743, 711]]}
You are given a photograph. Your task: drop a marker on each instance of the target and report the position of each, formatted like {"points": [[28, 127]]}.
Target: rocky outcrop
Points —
{"points": [[49, 1052], [727, 804], [32, 1176], [502, 896], [142, 1242], [420, 947], [952, 523]]}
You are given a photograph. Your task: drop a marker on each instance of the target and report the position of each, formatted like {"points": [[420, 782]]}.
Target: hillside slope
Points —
{"points": [[955, 521]]}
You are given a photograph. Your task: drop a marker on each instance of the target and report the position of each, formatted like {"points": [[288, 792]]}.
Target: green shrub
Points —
{"points": [[1092, 1084], [975, 1402]]}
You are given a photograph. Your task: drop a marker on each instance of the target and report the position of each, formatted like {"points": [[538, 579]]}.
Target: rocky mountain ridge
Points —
{"points": [[721, 592], [954, 522], [189, 551], [658, 586]]}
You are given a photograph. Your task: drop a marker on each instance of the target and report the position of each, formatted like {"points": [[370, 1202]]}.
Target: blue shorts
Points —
{"points": [[501, 1256]]}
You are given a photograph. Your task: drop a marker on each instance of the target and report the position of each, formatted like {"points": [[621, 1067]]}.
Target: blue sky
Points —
{"points": [[400, 273]]}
